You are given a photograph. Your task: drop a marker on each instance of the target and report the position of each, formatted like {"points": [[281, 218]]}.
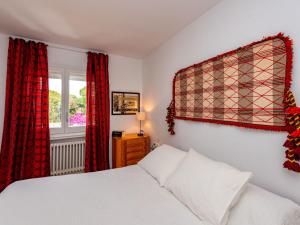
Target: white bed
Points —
{"points": [[127, 196]]}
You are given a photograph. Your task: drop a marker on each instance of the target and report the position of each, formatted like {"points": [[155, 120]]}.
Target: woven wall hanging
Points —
{"points": [[246, 87]]}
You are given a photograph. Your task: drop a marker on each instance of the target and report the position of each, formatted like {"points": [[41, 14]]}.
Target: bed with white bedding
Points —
{"points": [[128, 196]]}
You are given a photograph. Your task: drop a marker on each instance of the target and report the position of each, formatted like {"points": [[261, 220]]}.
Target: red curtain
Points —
{"points": [[97, 124], [25, 142]]}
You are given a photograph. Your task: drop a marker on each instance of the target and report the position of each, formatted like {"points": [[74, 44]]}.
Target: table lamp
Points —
{"points": [[141, 116]]}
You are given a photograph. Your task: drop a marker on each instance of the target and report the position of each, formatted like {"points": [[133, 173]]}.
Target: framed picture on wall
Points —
{"points": [[125, 103]]}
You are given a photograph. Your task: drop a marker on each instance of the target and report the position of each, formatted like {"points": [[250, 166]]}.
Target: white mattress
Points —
{"points": [[127, 196]]}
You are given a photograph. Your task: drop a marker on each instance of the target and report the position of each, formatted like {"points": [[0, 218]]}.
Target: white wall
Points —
{"points": [[125, 74], [230, 24]]}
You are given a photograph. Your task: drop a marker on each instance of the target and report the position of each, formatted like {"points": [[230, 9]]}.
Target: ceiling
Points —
{"points": [[131, 28]]}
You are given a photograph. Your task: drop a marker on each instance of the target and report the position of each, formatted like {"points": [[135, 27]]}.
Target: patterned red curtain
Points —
{"points": [[25, 142], [97, 124]]}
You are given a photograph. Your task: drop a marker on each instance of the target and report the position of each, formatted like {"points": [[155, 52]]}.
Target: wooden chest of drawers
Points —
{"points": [[129, 149]]}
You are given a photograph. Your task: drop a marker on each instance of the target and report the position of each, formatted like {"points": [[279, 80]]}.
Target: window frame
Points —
{"points": [[81, 76], [58, 130], [65, 131]]}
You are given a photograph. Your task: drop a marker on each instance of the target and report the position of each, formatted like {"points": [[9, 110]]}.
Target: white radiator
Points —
{"points": [[67, 157]]}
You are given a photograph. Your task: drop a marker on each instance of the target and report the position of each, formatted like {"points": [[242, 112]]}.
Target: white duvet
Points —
{"points": [[127, 196]]}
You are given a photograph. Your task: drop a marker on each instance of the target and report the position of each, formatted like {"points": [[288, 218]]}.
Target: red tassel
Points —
{"points": [[170, 118], [292, 123], [291, 166], [293, 110], [289, 144], [295, 133], [296, 151], [289, 154]]}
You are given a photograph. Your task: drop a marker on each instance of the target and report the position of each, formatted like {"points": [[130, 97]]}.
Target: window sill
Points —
{"points": [[54, 137]]}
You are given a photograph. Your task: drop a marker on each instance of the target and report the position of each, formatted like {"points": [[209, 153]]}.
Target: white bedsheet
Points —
{"points": [[127, 196]]}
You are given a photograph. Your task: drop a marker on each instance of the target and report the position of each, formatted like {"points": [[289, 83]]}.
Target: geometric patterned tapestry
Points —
{"points": [[244, 87]]}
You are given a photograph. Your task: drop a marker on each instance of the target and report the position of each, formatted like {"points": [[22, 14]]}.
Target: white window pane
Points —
{"points": [[77, 101], [55, 101]]}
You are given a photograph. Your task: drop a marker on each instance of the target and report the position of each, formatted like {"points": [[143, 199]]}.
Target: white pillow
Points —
{"points": [[207, 187], [162, 162], [260, 207]]}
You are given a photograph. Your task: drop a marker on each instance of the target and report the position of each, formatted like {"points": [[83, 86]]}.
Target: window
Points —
{"points": [[55, 93], [67, 101], [77, 101]]}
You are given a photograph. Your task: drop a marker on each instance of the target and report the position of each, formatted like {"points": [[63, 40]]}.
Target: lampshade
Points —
{"points": [[141, 116]]}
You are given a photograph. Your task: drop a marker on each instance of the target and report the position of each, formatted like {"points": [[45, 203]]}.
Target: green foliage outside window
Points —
{"points": [[76, 105], [54, 107]]}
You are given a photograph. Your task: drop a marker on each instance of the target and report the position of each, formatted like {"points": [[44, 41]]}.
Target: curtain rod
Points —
{"points": [[63, 47], [73, 49]]}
